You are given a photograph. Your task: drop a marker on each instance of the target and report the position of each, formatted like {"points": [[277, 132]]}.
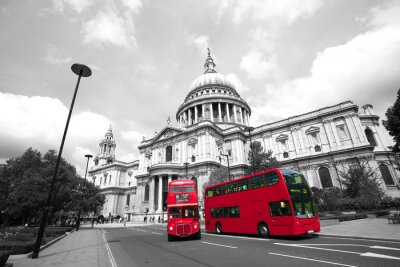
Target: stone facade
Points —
{"points": [[212, 121]]}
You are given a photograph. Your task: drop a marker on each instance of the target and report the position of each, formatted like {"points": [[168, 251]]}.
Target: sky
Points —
{"points": [[285, 58]]}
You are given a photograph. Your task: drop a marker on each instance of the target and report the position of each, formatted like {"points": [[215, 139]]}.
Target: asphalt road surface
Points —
{"points": [[148, 246]]}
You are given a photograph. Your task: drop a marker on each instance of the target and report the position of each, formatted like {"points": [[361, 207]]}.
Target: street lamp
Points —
{"points": [[250, 129], [81, 71], [78, 221], [227, 159], [186, 169]]}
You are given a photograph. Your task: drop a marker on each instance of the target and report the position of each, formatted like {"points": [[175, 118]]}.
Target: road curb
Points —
{"points": [[356, 237]]}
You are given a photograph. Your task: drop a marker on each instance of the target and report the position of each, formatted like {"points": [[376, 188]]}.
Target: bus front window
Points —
{"points": [[174, 213], [190, 212], [303, 207]]}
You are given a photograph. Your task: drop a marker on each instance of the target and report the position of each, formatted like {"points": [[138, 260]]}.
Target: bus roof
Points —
{"points": [[247, 176], [182, 182]]}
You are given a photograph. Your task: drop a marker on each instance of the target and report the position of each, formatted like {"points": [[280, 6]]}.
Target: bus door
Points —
{"points": [[281, 217]]}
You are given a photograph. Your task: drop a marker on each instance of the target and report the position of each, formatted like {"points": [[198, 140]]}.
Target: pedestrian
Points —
{"points": [[159, 219], [92, 222]]}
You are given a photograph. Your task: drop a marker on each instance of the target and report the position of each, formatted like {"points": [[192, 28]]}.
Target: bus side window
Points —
{"points": [[232, 187], [256, 182], [234, 212], [226, 213], [242, 185], [271, 178], [210, 192], [280, 208]]}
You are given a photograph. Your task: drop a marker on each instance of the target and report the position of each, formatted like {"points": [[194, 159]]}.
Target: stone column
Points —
{"points": [[151, 195], [347, 121], [325, 124], [190, 116], [228, 118], [211, 113], [336, 137], [234, 114], [356, 129], [195, 114], [203, 114], [241, 114], [219, 112], [160, 179]]}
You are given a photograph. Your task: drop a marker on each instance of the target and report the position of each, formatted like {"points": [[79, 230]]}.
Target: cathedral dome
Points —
{"points": [[211, 78]]}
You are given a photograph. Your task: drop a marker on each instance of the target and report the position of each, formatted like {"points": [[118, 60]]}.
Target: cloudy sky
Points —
{"points": [[286, 57]]}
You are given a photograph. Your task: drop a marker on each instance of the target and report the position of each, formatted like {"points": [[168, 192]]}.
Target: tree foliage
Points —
{"points": [[262, 160], [25, 183], [392, 124], [218, 175]]}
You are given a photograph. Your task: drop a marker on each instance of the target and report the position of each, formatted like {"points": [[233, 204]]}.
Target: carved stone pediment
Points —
{"points": [[192, 141], [312, 129], [282, 137]]}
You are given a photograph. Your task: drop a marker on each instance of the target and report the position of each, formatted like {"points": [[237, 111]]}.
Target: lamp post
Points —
{"points": [[227, 159], [186, 169], [250, 129], [78, 221], [81, 71]]}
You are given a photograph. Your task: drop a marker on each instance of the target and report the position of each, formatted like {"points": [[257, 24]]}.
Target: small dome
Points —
{"points": [[212, 78]]}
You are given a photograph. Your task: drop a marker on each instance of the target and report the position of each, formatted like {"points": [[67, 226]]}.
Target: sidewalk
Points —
{"points": [[87, 247], [83, 248], [366, 228]]}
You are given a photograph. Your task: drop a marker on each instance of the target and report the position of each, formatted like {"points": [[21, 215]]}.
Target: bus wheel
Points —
{"points": [[198, 235], [170, 237], [218, 228], [263, 230]]}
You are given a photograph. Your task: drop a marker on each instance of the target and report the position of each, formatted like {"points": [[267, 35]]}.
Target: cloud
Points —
{"points": [[364, 69], [77, 5], [109, 28], [201, 42], [53, 56], [258, 67], [39, 122], [133, 5]]}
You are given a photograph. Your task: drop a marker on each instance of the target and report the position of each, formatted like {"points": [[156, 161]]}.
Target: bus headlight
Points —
{"points": [[171, 228], [195, 226]]}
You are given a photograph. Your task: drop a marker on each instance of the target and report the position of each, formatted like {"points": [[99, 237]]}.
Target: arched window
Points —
{"points": [[193, 158], [325, 177], [370, 137], [168, 155], [146, 192], [387, 177]]}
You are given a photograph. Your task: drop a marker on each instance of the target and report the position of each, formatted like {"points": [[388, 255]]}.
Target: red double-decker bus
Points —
{"points": [[272, 202], [183, 210]]}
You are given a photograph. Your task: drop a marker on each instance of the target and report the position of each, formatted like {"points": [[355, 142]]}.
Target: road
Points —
{"points": [[148, 246]]}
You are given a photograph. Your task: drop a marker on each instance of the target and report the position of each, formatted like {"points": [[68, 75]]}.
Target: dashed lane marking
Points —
{"points": [[220, 245], [308, 259]]}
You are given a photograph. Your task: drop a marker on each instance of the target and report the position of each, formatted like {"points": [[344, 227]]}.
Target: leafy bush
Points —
{"points": [[23, 237], [4, 257], [17, 247]]}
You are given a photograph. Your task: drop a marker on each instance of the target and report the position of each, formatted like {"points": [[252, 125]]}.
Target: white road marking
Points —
{"points": [[328, 249], [361, 239], [218, 245], [110, 255], [239, 237], [156, 233], [308, 259], [375, 255], [367, 254], [389, 248]]}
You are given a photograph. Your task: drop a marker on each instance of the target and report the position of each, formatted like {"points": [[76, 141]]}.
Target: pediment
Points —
{"points": [[166, 133], [312, 129], [282, 137]]}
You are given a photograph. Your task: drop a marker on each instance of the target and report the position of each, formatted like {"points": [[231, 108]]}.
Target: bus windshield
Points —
{"points": [[300, 194]]}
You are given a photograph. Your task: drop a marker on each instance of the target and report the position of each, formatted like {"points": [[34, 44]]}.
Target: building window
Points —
{"points": [[317, 148], [128, 199], [285, 155], [146, 192], [387, 177], [193, 158], [342, 131], [325, 177], [168, 156], [370, 137]]}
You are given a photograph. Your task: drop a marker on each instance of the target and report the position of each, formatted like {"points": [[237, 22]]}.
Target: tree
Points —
{"points": [[218, 175], [25, 183], [362, 182], [262, 160], [392, 124]]}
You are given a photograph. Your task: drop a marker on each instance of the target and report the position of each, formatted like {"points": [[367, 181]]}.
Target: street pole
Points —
{"points": [[186, 164], [250, 129], [78, 221], [81, 71], [227, 159]]}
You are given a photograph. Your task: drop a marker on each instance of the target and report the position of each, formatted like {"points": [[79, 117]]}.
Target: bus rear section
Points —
{"points": [[183, 210], [272, 202]]}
